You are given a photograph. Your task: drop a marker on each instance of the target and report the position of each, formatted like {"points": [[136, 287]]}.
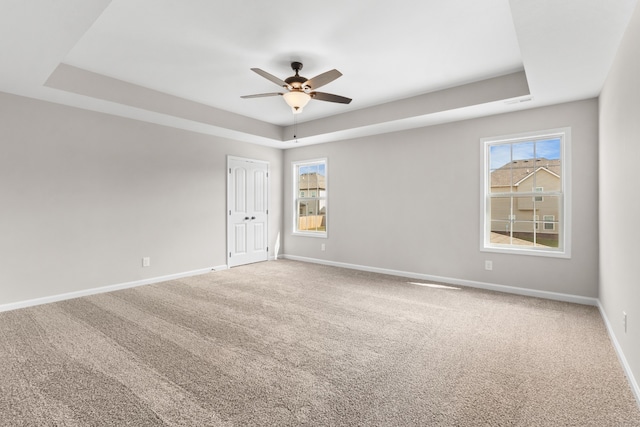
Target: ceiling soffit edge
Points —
{"points": [[83, 82]]}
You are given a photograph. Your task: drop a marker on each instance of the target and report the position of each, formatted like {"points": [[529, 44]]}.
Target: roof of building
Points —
{"points": [[517, 170]]}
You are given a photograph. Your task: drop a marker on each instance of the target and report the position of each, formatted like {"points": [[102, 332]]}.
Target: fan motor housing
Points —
{"points": [[296, 66], [295, 79]]}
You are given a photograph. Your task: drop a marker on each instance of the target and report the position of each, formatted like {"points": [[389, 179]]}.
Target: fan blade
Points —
{"points": [[322, 79], [322, 96], [262, 95], [270, 77]]}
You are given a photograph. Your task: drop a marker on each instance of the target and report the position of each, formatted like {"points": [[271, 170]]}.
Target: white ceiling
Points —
{"points": [[185, 63]]}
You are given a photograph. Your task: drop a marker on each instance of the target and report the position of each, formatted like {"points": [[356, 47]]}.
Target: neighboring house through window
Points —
{"points": [[525, 178], [310, 197]]}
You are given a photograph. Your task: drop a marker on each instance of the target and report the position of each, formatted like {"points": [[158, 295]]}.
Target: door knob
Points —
{"points": [[246, 218], [253, 217]]}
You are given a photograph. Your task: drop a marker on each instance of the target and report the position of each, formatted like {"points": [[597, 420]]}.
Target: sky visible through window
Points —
{"points": [[316, 168], [501, 154]]}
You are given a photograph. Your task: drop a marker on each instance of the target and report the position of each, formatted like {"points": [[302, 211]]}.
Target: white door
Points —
{"points": [[247, 197]]}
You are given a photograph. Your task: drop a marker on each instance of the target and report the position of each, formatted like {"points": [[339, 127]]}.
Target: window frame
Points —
{"points": [[295, 165], [563, 226]]}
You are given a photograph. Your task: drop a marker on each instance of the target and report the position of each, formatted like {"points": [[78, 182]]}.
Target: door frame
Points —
{"points": [[230, 158]]}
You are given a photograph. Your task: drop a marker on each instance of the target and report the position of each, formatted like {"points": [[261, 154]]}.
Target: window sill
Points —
{"points": [[525, 251], [322, 235]]}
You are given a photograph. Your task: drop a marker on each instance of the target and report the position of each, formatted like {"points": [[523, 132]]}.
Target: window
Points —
{"points": [[539, 198], [525, 178], [549, 222], [310, 197]]}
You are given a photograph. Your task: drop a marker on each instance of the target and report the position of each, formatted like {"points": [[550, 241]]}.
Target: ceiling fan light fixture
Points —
{"points": [[299, 89], [296, 100]]}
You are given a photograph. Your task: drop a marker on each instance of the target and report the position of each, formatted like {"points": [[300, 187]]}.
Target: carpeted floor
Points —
{"points": [[284, 343]]}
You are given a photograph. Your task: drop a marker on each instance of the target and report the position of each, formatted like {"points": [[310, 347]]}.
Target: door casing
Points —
{"points": [[247, 220]]}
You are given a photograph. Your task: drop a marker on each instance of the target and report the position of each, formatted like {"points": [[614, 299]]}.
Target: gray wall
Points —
{"points": [[619, 201], [84, 196], [410, 201]]}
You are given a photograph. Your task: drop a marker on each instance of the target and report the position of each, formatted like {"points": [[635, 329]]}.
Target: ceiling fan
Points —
{"points": [[301, 90]]}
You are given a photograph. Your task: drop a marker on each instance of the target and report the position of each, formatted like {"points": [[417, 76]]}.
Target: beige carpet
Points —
{"points": [[284, 343]]}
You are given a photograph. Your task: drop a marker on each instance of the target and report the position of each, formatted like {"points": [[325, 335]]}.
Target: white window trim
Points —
{"points": [[294, 166], [564, 250]]}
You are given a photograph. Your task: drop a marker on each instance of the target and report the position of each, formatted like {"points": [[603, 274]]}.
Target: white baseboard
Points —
{"points": [[103, 289], [469, 283], [623, 360]]}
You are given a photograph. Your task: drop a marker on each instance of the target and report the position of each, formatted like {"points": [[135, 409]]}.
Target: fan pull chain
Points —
{"points": [[295, 128]]}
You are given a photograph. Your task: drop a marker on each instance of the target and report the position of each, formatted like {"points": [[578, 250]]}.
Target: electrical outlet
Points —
{"points": [[624, 321], [488, 265], [146, 261], [322, 247]]}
